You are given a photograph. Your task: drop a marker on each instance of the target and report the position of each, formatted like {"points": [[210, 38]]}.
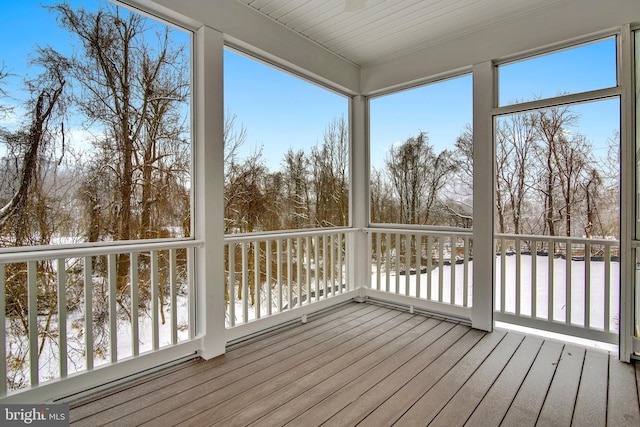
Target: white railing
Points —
{"points": [[266, 274], [67, 310], [559, 284], [429, 265]]}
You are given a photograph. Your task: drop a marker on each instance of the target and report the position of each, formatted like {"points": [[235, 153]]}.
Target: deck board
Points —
{"points": [[358, 398], [195, 393], [427, 330], [431, 403], [366, 364], [471, 393], [623, 395], [559, 404], [494, 404], [297, 379], [526, 406], [591, 403], [389, 411]]}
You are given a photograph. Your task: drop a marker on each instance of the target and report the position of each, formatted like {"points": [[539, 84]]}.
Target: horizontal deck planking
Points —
{"points": [[371, 365]]}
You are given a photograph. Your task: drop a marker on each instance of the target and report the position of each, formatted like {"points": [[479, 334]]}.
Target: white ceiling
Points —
{"points": [[367, 32]]}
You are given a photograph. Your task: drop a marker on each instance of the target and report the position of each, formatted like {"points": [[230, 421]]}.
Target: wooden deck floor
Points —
{"points": [[374, 366]]}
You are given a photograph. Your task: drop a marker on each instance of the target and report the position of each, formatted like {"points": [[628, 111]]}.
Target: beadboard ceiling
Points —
{"points": [[367, 32]]}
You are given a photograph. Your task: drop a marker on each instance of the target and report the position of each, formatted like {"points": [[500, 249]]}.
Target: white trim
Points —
{"points": [[209, 191], [38, 253], [269, 61], [484, 99], [544, 325], [627, 193], [249, 30], [257, 326], [357, 243], [555, 47], [287, 234], [421, 82], [558, 101], [100, 376], [432, 230], [546, 29], [431, 308]]}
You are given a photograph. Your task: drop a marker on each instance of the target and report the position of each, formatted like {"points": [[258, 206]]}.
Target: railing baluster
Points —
{"points": [[429, 265], [135, 300], [299, 256], [268, 271], [256, 277], [534, 279], [340, 262], [408, 252], [568, 278], [289, 274], [173, 283], [113, 318], [232, 283], [607, 288], [550, 286], [331, 265], [518, 276], [32, 296], [397, 269], [245, 282], [62, 315], [155, 306], [503, 276], [387, 261], [378, 258], [452, 245], [279, 273], [587, 285], [88, 311], [465, 284], [316, 262], [191, 292], [441, 269], [308, 257], [418, 255]]}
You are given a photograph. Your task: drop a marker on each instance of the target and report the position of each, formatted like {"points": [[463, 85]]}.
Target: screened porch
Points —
{"points": [[334, 324]]}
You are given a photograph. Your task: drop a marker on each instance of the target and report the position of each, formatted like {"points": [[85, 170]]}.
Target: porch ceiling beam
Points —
{"points": [[566, 21], [247, 29]]}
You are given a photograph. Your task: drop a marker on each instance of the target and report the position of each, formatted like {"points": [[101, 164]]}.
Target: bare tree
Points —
{"points": [[418, 176], [137, 92], [29, 144], [296, 182], [330, 179], [515, 136]]}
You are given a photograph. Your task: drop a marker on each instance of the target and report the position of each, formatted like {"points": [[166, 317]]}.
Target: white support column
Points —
{"points": [[627, 195], [483, 195], [359, 258], [209, 190]]}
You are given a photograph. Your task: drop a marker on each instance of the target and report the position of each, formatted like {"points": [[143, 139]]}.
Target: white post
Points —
{"points": [[209, 190], [359, 258], [628, 195], [483, 195]]}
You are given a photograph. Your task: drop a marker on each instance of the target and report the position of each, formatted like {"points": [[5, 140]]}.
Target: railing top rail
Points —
{"points": [[561, 239], [421, 229], [36, 253], [250, 237]]}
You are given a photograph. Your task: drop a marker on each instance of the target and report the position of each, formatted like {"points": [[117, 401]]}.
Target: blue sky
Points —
{"points": [[281, 111]]}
